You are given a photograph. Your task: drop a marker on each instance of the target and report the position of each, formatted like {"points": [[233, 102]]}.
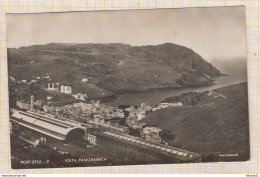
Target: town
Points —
{"points": [[101, 124]]}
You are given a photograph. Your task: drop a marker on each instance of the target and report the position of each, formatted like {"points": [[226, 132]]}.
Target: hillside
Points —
{"points": [[113, 68], [210, 123]]}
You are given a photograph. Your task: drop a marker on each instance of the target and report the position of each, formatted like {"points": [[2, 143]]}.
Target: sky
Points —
{"points": [[214, 33]]}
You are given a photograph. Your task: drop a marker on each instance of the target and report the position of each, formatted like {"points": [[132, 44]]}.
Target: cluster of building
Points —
{"points": [[101, 127], [12, 79], [94, 113], [132, 149], [166, 105], [93, 110], [104, 122], [63, 88], [67, 89], [104, 116], [80, 96], [29, 105], [136, 114], [32, 139], [152, 134], [23, 104], [26, 105], [46, 77]]}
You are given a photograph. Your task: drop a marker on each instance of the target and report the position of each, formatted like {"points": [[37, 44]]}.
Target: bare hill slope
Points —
{"points": [[210, 123]]}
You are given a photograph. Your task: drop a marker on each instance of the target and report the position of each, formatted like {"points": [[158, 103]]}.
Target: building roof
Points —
{"points": [[155, 147], [48, 126], [28, 137], [152, 129]]}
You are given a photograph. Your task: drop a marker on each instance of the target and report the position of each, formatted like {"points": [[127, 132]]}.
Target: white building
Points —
{"points": [[47, 77], [12, 78], [80, 96], [67, 89], [62, 89], [120, 114], [140, 115], [84, 80], [53, 87]]}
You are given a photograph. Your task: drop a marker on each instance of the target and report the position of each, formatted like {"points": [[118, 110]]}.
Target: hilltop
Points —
{"points": [[112, 68], [210, 123]]}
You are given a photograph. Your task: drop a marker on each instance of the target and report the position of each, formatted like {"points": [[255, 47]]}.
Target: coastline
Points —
{"points": [[117, 96], [155, 96]]}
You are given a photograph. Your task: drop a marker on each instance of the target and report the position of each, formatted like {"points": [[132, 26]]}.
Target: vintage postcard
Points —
{"points": [[131, 87]]}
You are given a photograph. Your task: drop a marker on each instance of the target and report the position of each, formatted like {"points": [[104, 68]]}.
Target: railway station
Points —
{"points": [[54, 128]]}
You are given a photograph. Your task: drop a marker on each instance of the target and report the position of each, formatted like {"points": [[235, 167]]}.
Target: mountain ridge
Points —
{"points": [[114, 67]]}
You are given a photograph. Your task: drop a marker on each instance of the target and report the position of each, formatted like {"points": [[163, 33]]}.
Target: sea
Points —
{"points": [[156, 96]]}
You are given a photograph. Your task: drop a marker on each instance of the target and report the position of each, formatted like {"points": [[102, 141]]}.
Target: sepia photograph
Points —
{"points": [[129, 87]]}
